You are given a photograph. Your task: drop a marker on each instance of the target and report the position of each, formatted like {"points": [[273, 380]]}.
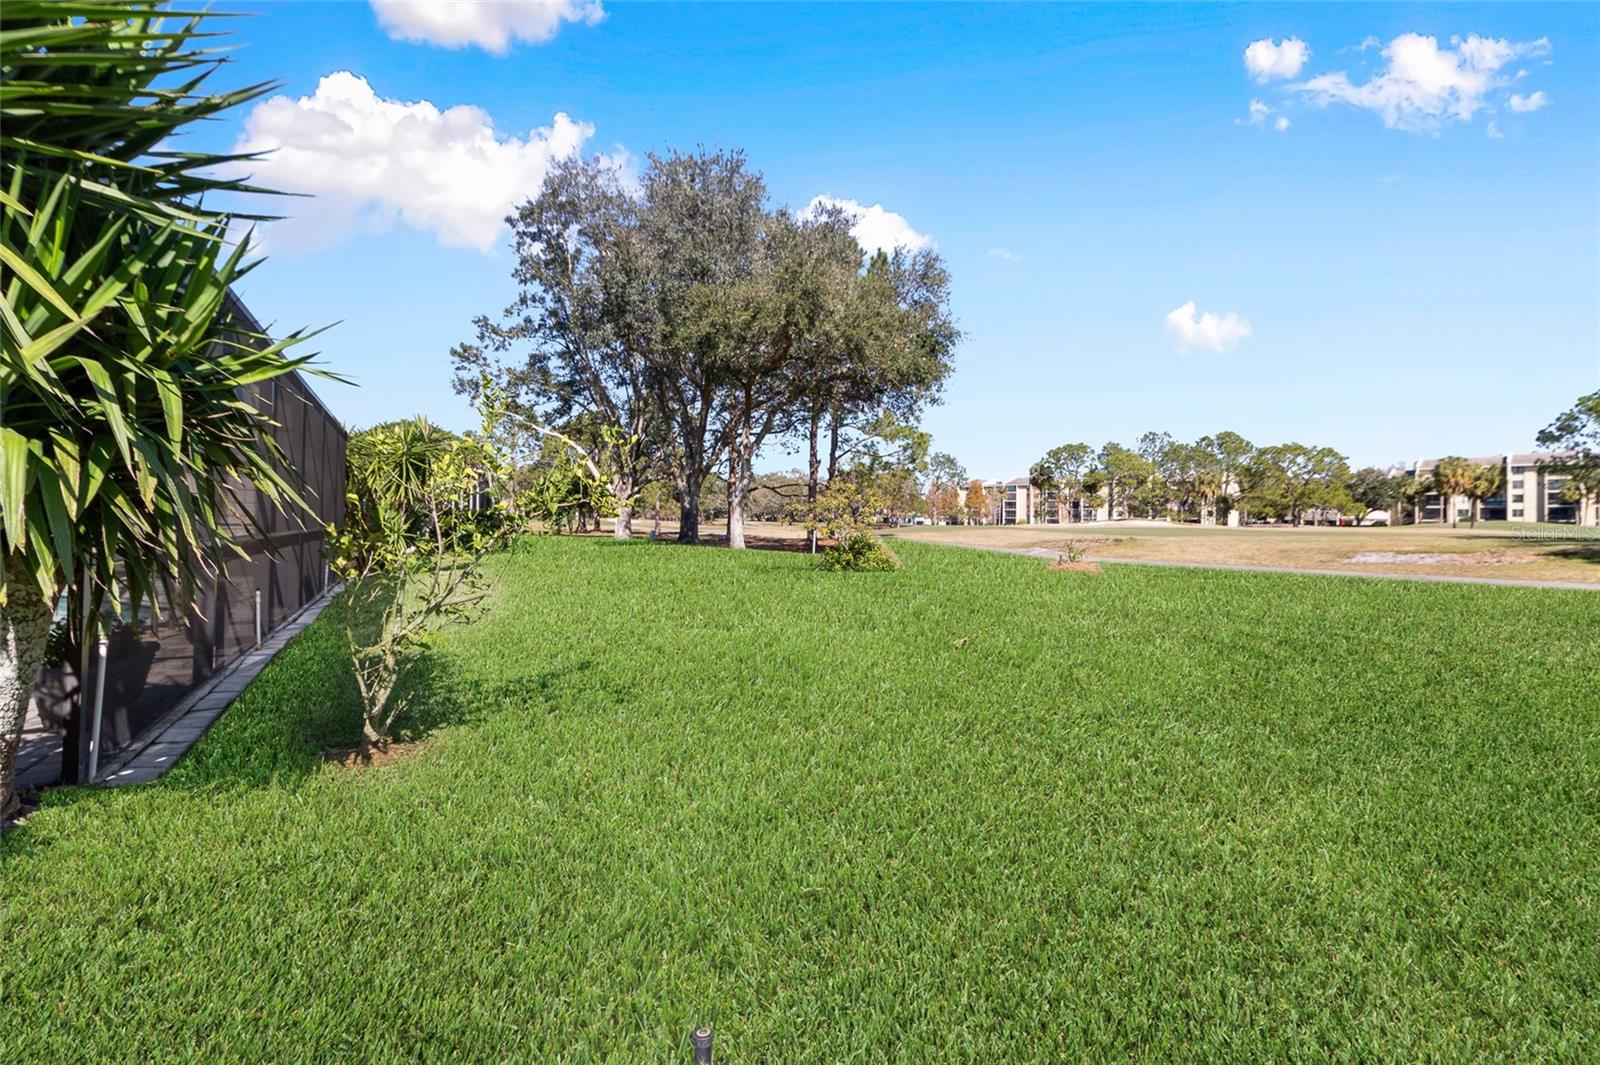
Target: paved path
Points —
{"points": [[1438, 578], [200, 710], [39, 760]]}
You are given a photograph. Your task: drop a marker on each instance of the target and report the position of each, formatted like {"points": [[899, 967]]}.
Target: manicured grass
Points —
{"points": [[1157, 813]]}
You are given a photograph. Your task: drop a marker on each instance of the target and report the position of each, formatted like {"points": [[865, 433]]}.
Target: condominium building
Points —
{"points": [[1532, 493], [1018, 502]]}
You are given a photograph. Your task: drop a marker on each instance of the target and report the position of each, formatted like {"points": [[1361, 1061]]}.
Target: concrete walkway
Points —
{"points": [[1437, 578], [39, 760], [200, 710]]}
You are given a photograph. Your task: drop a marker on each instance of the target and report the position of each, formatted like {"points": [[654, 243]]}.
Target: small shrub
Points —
{"points": [[859, 552]]}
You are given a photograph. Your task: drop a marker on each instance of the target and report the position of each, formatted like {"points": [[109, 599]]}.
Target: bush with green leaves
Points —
{"points": [[561, 491], [843, 513], [859, 552]]}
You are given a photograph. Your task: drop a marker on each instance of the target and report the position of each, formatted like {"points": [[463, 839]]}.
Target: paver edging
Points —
{"points": [[208, 702]]}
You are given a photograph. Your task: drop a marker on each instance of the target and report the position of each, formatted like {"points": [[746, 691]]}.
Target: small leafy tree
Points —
{"points": [[945, 477], [561, 490], [412, 556], [1412, 492], [1374, 489], [843, 513], [976, 508], [1576, 434]]}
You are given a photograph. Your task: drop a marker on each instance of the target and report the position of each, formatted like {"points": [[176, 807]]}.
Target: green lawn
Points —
{"points": [[1159, 813]]}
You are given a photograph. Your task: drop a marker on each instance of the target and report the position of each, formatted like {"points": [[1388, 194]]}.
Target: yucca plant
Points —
{"points": [[125, 422]]}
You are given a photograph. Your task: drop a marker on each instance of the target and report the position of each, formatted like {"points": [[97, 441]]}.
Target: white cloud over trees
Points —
{"points": [[875, 228], [374, 161]]}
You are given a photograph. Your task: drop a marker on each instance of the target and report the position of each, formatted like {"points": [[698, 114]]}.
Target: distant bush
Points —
{"points": [[859, 552]]}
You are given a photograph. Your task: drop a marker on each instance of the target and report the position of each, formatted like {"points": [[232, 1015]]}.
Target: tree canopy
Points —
{"points": [[698, 322], [1576, 433]]}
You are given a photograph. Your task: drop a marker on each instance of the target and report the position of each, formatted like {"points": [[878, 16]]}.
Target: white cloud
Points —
{"points": [[1368, 43], [1424, 84], [1259, 111], [874, 228], [1265, 60], [1492, 131], [1524, 104], [1004, 253], [373, 160], [488, 24], [1207, 331]]}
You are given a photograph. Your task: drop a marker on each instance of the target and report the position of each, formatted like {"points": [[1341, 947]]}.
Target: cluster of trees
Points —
{"points": [[667, 331], [1205, 479], [1216, 474]]}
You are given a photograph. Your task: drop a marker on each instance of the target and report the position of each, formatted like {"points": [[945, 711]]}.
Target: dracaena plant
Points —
{"points": [[126, 419]]}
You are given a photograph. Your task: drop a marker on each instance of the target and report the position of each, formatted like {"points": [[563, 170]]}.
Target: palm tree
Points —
{"points": [[1488, 482], [1409, 493], [1207, 485], [124, 430], [1452, 477]]}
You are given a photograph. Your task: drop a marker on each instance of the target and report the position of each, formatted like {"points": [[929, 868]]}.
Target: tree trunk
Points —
{"points": [[622, 488], [813, 474], [741, 457], [833, 448], [738, 490], [25, 619], [689, 485]]}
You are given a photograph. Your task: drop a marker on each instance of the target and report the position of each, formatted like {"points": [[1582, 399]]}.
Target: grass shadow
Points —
{"points": [[1578, 553], [306, 703], [443, 695]]}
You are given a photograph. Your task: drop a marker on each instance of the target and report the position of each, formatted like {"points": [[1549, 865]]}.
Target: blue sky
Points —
{"points": [[1411, 267]]}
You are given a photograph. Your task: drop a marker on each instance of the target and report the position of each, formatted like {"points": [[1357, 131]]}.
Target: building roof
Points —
{"points": [[1523, 458]]}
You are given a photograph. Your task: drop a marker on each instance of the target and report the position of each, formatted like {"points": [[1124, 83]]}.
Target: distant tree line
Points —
{"points": [[1206, 479], [667, 331]]}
